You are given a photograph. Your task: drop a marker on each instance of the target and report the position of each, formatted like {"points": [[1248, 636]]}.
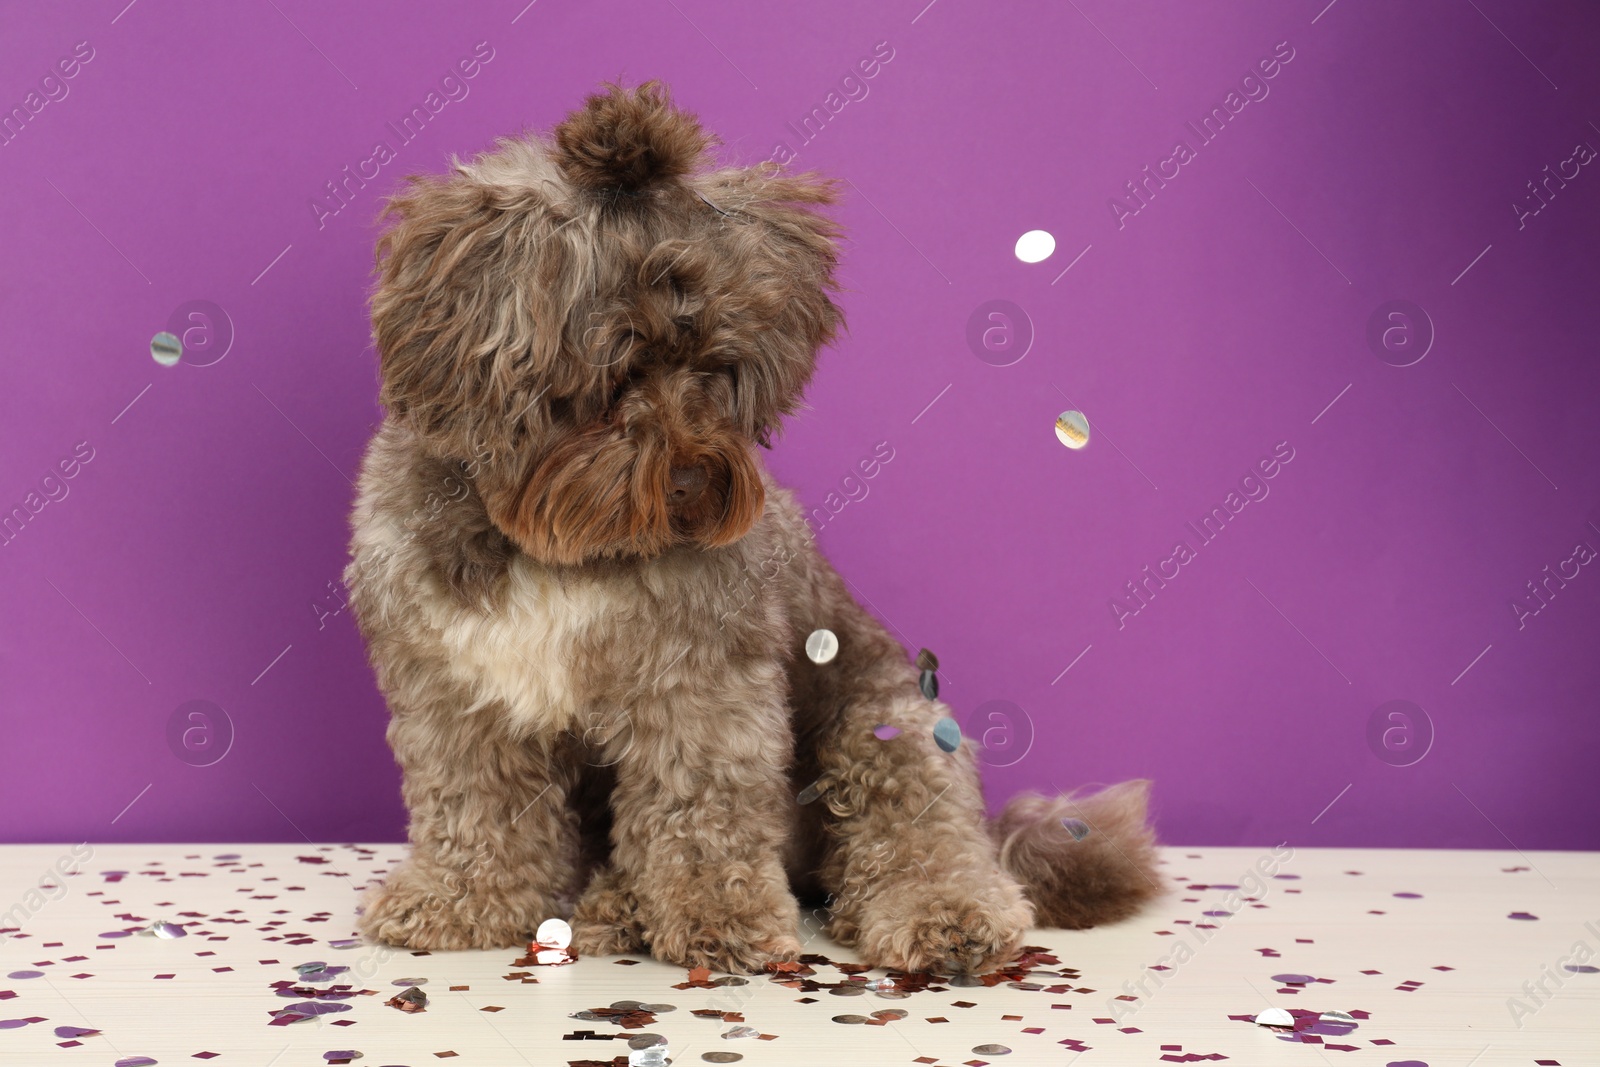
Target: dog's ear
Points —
{"points": [[474, 283], [787, 288]]}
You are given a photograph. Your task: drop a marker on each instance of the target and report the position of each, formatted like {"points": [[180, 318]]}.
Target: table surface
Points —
{"points": [[1446, 958]]}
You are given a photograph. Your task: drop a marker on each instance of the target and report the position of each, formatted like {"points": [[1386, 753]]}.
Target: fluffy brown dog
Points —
{"points": [[586, 601]]}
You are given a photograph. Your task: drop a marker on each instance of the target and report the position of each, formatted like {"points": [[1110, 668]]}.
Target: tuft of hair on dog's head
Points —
{"points": [[602, 324]]}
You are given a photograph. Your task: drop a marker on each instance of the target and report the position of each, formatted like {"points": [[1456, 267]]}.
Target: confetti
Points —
{"points": [[1072, 429], [947, 734], [410, 1000], [822, 646], [553, 933]]}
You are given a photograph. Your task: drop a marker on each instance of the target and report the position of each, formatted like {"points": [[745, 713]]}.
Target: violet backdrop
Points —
{"points": [[1220, 313]]}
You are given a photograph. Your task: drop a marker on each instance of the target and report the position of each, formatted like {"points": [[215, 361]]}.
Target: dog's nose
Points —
{"points": [[687, 483]]}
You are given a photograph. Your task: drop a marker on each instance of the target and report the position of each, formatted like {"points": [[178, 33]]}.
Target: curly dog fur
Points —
{"points": [[586, 600]]}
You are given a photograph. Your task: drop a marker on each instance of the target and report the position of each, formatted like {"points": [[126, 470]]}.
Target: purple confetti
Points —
{"points": [[884, 732], [1409, 896], [19, 975], [1293, 979], [116, 933], [315, 1007], [74, 1031], [1583, 968], [1525, 916], [12, 1024], [1217, 914], [136, 1061]]}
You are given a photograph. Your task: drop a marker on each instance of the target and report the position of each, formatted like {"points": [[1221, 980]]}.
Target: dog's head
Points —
{"points": [[602, 327]]}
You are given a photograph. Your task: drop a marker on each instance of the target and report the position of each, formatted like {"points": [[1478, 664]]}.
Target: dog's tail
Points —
{"points": [[1083, 860]]}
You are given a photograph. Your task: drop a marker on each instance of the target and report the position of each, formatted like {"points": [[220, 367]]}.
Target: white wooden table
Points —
{"points": [[1442, 975]]}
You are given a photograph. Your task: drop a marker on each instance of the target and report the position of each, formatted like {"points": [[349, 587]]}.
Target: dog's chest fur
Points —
{"points": [[553, 648]]}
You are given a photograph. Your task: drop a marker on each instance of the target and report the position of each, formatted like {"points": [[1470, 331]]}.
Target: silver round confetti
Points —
{"points": [[658, 1009], [849, 1018], [927, 661], [731, 979], [722, 1057], [822, 646], [740, 1032], [991, 1050], [947, 734], [168, 931], [929, 684], [849, 989], [890, 1013], [553, 933], [811, 792], [962, 981], [409, 981], [1073, 429], [646, 1041], [626, 1005], [166, 349]]}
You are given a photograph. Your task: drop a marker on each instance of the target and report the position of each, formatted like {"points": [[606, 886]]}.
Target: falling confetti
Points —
{"points": [[947, 734], [1072, 429], [822, 646]]}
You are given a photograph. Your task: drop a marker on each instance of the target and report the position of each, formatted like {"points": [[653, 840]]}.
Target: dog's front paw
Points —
{"points": [[722, 949], [731, 930], [942, 928], [420, 907], [606, 920]]}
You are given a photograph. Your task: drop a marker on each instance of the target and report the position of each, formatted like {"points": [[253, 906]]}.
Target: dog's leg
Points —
{"points": [[914, 879], [701, 815], [908, 861], [493, 845]]}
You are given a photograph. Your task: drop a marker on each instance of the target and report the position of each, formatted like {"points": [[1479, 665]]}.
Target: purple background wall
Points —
{"points": [[195, 556]]}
